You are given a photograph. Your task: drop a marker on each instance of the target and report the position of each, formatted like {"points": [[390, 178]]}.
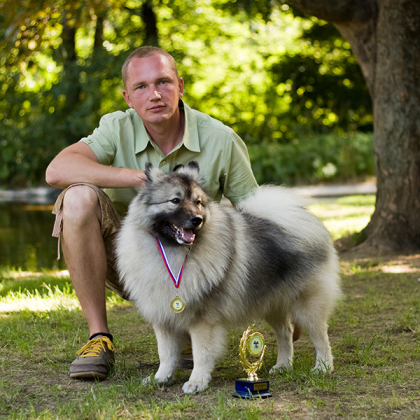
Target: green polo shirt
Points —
{"points": [[121, 140]]}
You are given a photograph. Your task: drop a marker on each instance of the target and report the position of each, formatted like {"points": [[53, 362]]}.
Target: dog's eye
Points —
{"points": [[175, 200], [198, 202]]}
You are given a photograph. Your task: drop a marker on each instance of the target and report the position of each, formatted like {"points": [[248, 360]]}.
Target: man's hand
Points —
{"points": [[78, 163]]}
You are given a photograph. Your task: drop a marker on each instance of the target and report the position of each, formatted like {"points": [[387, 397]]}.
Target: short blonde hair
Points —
{"points": [[146, 51]]}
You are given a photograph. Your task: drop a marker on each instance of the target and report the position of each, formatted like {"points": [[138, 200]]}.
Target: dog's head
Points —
{"points": [[173, 204]]}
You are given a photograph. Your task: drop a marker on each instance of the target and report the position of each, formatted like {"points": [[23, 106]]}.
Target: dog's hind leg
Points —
{"points": [[312, 312], [283, 332], [318, 332], [209, 345], [170, 344]]}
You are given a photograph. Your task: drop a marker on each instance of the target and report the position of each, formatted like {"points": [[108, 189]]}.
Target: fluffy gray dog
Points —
{"points": [[267, 259]]}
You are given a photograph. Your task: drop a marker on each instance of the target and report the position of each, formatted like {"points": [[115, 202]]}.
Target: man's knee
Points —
{"points": [[81, 203]]}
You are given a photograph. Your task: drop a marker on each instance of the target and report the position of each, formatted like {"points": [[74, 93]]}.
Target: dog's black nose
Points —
{"points": [[196, 221]]}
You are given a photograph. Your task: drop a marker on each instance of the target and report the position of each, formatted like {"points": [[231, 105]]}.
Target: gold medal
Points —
{"points": [[177, 305]]}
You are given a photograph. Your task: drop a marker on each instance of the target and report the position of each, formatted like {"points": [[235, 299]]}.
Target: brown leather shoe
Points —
{"points": [[95, 359]]}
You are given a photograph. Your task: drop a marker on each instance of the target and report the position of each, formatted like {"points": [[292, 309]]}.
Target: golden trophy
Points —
{"points": [[252, 387]]}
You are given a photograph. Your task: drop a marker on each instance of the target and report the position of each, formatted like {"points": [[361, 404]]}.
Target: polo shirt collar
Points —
{"points": [[190, 140]]}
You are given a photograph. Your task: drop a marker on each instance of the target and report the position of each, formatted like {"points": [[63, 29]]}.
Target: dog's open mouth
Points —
{"points": [[183, 235]]}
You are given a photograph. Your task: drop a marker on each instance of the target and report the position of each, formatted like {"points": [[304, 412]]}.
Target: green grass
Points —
{"points": [[374, 333], [346, 215]]}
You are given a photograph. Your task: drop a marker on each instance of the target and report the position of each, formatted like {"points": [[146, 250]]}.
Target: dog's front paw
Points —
{"points": [[281, 368], [192, 387], [154, 379], [322, 367], [164, 380]]}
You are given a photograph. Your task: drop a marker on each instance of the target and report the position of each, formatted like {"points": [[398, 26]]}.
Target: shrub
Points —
{"points": [[314, 159]]}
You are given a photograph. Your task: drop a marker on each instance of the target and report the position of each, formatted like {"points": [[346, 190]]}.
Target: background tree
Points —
{"points": [[384, 36]]}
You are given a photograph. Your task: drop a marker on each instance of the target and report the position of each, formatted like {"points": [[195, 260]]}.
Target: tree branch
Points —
{"points": [[339, 11]]}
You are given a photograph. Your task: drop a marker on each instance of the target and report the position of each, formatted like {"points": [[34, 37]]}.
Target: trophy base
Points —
{"points": [[252, 389]]}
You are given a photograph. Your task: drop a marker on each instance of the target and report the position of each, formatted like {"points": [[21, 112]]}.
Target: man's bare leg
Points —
{"points": [[85, 256], [84, 252]]}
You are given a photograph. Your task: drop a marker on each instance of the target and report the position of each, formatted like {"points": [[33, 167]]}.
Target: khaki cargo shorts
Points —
{"points": [[110, 224]]}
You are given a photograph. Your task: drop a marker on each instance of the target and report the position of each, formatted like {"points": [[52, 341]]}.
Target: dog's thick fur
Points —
{"points": [[268, 259]]}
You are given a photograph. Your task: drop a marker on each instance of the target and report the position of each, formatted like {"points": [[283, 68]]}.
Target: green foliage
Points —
{"points": [[324, 83], [320, 158], [276, 77]]}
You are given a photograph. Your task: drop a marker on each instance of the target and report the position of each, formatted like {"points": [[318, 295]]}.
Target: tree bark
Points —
{"points": [[385, 38], [149, 18], [99, 35], [396, 221], [71, 73]]}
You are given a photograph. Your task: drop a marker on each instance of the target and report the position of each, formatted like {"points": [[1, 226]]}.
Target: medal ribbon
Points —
{"points": [[175, 279]]}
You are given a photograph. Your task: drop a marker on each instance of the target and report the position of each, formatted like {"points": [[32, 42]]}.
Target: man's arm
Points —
{"points": [[78, 163]]}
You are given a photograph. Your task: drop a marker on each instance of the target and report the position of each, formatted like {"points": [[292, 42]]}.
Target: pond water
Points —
{"points": [[25, 237]]}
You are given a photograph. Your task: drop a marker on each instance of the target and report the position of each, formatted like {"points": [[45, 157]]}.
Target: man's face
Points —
{"points": [[153, 89]]}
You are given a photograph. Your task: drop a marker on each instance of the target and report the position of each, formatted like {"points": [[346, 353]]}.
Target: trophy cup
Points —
{"points": [[252, 386]]}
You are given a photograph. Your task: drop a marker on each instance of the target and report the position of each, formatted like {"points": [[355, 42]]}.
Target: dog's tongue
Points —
{"points": [[187, 236]]}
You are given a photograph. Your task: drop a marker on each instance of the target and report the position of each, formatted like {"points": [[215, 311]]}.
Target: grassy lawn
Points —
{"points": [[374, 333], [345, 215]]}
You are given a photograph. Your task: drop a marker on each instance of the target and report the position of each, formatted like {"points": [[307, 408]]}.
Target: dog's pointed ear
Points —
{"points": [[148, 171], [193, 171], [177, 167], [194, 166], [152, 173]]}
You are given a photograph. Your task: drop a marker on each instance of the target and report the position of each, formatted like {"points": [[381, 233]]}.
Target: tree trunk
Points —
{"points": [[99, 35], [71, 82], [385, 38], [149, 18], [396, 221]]}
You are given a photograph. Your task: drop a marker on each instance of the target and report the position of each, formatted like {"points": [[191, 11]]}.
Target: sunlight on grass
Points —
{"points": [[40, 301], [17, 274], [43, 302], [346, 215], [41, 292]]}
